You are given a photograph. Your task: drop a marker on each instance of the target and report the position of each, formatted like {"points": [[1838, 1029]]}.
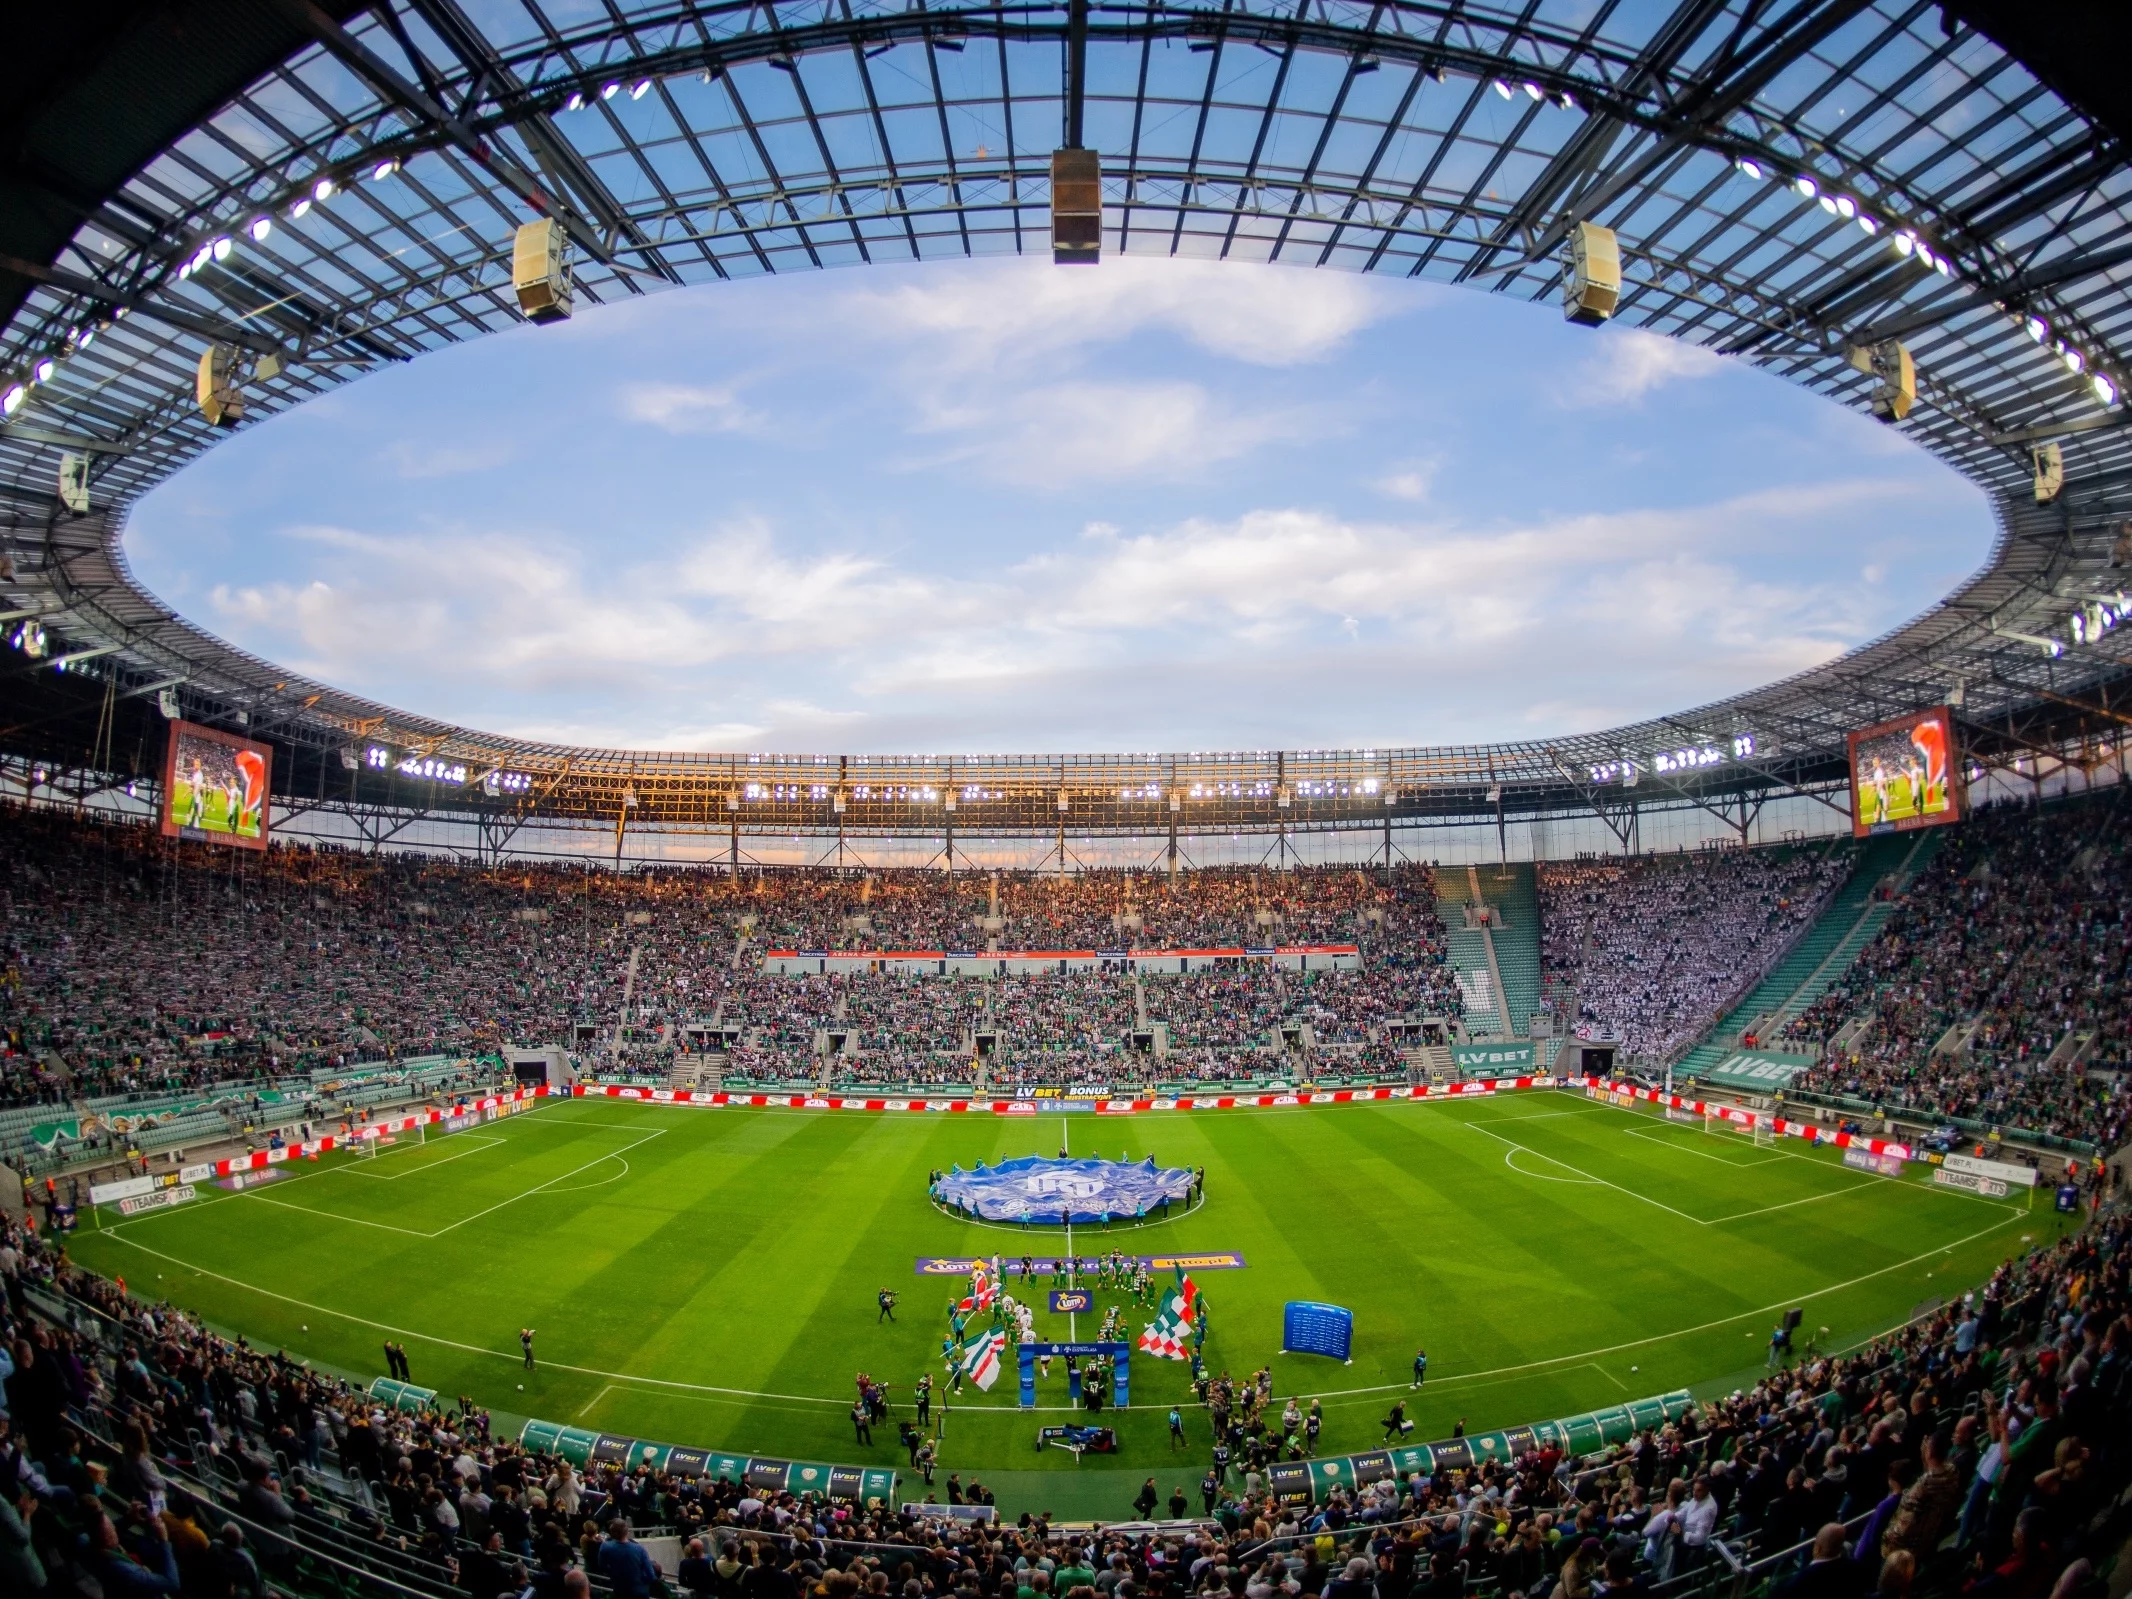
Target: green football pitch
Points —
{"points": [[708, 1277]]}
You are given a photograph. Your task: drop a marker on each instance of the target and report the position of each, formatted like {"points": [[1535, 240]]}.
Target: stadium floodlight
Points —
{"points": [[1904, 243], [1868, 224], [1502, 88], [1807, 187], [1534, 91], [2049, 646], [2105, 390], [640, 88], [300, 210], [576, 102], [261, 227], [1751, 168], [323, 189], [1846, 207], [383, 170], [44, 369], [2038, 329], [11, 402], [609, 90]]}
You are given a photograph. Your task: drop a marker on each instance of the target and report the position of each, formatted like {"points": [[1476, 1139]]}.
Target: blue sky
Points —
{"points": [[1000, 505]]}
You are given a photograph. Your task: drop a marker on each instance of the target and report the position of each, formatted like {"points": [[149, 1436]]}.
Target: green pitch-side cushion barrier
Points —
{"points": [[402, 1395], [1294, 1480], [582, 1448], [1575, 1435]]}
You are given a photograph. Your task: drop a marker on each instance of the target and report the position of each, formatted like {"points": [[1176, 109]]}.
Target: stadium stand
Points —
{"points": [[1981, 1449], [1995, 995], [139, 967], [1653, 947]]}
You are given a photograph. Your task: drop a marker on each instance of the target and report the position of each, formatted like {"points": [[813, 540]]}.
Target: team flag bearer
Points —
{"points": [[1171, 1334], [981, 1364], [984, 1289]]}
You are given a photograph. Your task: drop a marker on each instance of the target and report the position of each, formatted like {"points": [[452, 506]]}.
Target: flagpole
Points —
{"points": [[1073, 1265]]}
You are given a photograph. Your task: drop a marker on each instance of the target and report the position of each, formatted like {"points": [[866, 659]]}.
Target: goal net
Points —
{"points": [[1765, 1131]]}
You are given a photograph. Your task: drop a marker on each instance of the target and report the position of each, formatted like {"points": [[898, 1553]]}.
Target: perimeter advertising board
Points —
{"points": [[215, 786], [1903, 774]]}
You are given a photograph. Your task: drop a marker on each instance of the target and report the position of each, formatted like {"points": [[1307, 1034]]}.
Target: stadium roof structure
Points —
{"points": [[330, 188]]}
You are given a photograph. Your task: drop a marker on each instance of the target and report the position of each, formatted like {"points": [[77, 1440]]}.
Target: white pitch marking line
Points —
{"points": [[1701, 1154], [603, 1182], [478, 1144], [1510, 1159], [1601, 1181], [550, 1183], [386, 1226], [334, 1215], [1833, 1193], [585, 1409], [1609, 1376]]}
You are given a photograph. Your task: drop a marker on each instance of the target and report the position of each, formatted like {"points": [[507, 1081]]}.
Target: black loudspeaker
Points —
{"points": [[1791, 1318]]}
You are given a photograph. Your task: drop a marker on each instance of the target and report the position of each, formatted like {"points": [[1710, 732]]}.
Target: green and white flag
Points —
{"points": [[1170, 1334], [981, 1364]]}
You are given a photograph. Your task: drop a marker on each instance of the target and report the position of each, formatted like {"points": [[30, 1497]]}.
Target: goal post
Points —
{"points": [[1765, 1131]]}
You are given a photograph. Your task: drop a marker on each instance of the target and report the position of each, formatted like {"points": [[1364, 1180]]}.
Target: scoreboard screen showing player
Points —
{"points": [[1904, 774], [215, 786]]}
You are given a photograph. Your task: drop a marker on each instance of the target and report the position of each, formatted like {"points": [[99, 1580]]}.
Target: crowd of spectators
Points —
{"points": [[2014, 939], [1654, 947], [134, 964], [1980, 1451]]}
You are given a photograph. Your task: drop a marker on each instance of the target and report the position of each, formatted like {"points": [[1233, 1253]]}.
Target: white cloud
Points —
{"points": [[416, 460], [1408, 482], [687, 407], [1022, 313], [1629, 363], [1062, 434], [740, 639]]}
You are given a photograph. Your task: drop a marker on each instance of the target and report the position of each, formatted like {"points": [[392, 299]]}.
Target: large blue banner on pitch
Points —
{"points": [[1040, 1190]]}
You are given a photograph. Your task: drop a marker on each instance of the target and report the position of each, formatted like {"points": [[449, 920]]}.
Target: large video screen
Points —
{"points": [[1905, 774], [215, 786]]}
